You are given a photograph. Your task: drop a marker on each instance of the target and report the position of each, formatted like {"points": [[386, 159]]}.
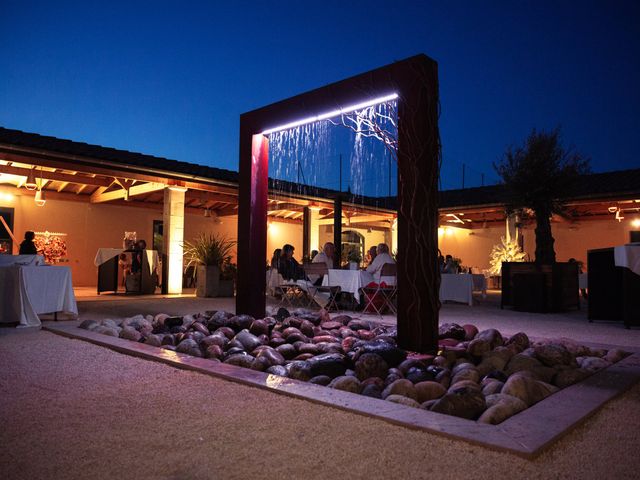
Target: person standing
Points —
{"points": [[28, 247]]}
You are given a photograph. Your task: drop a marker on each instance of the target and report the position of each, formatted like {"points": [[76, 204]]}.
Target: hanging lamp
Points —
{"points": [[31, 184]]}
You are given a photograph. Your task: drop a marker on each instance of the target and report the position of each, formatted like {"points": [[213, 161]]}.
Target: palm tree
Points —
{"points": [[537, 176]]}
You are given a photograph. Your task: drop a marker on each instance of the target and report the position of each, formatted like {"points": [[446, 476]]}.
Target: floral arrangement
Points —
{"points": [[52, 247], [507, 251]]}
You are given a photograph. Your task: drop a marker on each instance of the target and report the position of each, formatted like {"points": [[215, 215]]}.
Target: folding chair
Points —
{"points": [[312, 270], [384, 295]]}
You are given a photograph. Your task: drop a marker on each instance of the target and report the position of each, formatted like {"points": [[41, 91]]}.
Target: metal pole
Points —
{"points": [[340, 173]]}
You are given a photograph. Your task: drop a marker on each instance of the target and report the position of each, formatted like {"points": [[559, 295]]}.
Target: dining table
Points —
{"points": [[32, 290], [350, 281]]}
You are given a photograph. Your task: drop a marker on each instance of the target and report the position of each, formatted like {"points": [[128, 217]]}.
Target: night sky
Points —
{"points": [[171, 78]]}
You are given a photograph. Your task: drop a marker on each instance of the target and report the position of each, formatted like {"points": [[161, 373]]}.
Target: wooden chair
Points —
{"points": [[312, 270], [384, 295]]}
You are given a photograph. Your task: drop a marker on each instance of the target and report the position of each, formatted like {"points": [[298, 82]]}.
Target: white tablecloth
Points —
{"points": [[8, 260], [105, 254], [628, 256], [28, 291], [456, 287], [583, 281], [348, 280]]}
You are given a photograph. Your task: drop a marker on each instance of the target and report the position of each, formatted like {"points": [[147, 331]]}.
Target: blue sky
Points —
{"points": [[171, 78]]}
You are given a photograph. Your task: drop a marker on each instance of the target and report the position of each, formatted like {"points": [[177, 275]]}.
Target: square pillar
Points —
{"points": [[314, 229], [173, 233]]}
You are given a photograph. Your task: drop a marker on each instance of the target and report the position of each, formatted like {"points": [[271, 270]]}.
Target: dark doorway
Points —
{"points": [[6, 242]]}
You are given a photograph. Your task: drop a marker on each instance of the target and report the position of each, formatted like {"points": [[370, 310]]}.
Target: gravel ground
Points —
{"points": [[70, 409]]}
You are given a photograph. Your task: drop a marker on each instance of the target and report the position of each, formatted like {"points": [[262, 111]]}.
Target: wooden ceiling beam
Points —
{"points": [[55, 176], [134, 190]]}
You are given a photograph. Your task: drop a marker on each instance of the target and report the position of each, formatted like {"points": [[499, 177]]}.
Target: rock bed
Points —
{"points": [[475, 375]]}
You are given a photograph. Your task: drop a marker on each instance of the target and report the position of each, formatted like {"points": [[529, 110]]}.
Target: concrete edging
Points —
{"points": [[526, 434]]}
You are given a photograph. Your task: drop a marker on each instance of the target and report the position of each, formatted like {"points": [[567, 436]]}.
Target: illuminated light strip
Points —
{"points": [[334, 113]]}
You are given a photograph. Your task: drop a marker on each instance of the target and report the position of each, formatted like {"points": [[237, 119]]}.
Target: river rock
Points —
{"points": [[213, 351], [216, 339], [492, 336], [429, 391], [469, 384], [463, 402], [466, 374], [299, 370], [330, 364], [402, 400], [553, 354], [478, 347], [390, 353], [111, 331], [500, 407], [248, 340], [272, 356], [199, 327], [371, 390], [89, 325], [346, 383], [240, 322], [130, 333], [569, 376], [226, 331], [402, 387], [419, 374], [277, 370], [323, 380], [358, 324], [259, 327], [615, 355], [492, 387], [470, 331], [527, 389], [190, 347], [154, 340], [288, 351], [307, 348], [451, 330], [370, 365], [240, 360], [592, 363]]}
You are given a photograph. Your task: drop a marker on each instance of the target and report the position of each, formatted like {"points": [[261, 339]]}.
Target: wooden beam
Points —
{"points": [[141, 189], [55, 176], [227, 211]]}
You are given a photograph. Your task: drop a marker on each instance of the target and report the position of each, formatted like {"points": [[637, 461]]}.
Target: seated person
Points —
{"points": [[382, 257], [275, 259], [449, 265], [288, 266], [326, 257], [27, 247], [372, 253]]}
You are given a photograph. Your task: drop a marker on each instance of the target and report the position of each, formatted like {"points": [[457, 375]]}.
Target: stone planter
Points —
{"points": [[208, 281], [531, 287]]}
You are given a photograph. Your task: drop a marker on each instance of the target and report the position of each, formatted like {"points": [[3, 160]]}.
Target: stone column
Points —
{"points": [[314, 229], [173, 232]]}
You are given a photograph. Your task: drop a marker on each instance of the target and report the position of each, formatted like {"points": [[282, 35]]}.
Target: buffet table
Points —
{"points": [[456, 287], [29, 291]]}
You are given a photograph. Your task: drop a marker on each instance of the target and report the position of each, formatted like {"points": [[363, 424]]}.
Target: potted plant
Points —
{"points": [[537, 176], [207, 253], [354, 259]]}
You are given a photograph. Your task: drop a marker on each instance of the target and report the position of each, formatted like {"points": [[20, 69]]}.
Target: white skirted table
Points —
{"points": [[348, 280], [456, 287], [29, 291]]}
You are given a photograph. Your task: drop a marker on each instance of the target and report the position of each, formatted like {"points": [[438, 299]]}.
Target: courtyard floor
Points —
{"points": [[70, 409]]}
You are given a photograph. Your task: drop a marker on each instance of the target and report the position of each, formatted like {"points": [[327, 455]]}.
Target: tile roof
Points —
{"points": [[124, 157]]}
